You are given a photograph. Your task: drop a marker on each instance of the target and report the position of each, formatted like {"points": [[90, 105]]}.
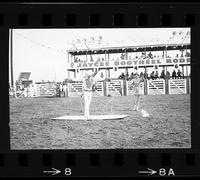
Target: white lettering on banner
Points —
{"points": [[125, 63]]}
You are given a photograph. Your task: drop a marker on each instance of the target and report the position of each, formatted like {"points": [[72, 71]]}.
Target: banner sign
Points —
{"points": [[129, 63]]}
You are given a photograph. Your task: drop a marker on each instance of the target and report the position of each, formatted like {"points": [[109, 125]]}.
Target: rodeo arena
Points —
{"points": [[164, 66]]}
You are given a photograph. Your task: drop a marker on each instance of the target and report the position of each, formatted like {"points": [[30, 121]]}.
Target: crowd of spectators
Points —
{"points": [[138, 56], [150, 55], [155, 75]]}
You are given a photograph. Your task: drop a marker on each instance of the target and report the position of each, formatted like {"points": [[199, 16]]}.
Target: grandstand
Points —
{"points": [[171, 54]]}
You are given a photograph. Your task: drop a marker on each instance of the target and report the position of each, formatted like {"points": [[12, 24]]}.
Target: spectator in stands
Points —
{"points": [[174, 74], [145, 75], [127, 75], [132, 75], [152, 75], [187, 54], [76, 59], [91, 58], [156, 75], [143, 56], [167, 76], [150, 55], [141, 74], [162, 75], [179, 74], [122, 76]]}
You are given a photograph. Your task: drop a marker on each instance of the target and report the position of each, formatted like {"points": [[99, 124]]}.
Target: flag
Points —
{"points": [[174, 33], [78, 41]]}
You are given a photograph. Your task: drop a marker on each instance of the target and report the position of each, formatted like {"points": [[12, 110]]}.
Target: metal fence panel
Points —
{"points": [[115, 87], [155, 87], [177, 86]]}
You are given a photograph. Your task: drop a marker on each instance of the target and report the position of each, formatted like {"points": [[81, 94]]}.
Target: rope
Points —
{"points": [[111, 104]]}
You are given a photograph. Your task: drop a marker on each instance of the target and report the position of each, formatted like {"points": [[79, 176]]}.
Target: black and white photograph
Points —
{"points": [[100, 88]]}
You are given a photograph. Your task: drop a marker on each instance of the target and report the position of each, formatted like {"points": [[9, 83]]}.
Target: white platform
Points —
{"points": [[94, 117]]}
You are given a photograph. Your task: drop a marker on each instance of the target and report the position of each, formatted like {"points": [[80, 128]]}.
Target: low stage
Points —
{"points": [[92, 117]]}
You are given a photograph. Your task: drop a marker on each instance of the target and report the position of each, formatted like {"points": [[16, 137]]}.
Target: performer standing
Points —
{"points": [[137, 90], [88, 85], [60, 89], [64, 90]]}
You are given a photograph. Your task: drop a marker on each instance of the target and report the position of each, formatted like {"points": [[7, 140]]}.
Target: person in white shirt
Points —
{"points": [[61, 89], [88, 85], [137, 90], [64, 90]]}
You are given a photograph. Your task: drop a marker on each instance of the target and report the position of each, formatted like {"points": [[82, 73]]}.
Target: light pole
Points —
{"points": [[11, 57]]}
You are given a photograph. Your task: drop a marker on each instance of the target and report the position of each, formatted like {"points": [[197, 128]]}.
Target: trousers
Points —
{"points": [[87, 101]]}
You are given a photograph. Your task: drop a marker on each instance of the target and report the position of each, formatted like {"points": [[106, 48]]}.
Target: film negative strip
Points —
{"points": [[99, 89]]}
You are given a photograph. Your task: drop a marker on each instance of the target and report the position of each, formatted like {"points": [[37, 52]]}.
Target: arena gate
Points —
{"points": [[44, 90], [75, 89], [155, 87], [129, 91], [115, 87], [177, 86], [99, 89]]}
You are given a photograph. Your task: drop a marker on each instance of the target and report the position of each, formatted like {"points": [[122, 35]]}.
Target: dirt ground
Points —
{"points": [[31, 126]]}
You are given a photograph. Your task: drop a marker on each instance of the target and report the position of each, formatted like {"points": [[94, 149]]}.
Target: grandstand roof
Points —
{"points": [[134, 41]]}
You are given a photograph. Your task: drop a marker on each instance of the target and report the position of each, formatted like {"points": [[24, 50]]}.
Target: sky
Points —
{"points": [[43, 51]]}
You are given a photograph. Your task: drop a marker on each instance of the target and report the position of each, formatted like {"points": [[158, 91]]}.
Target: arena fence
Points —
{"points": [[99, 91], [155, 87], [113, 87], [177, 86], [116, 87], [75, 89], [44, 90]]}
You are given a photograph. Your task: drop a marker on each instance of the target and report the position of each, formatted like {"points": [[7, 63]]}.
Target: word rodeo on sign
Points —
{"points": [[127, 63]]}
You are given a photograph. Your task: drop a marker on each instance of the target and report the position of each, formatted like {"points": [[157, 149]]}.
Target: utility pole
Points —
{"points": [[11, 57]]}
